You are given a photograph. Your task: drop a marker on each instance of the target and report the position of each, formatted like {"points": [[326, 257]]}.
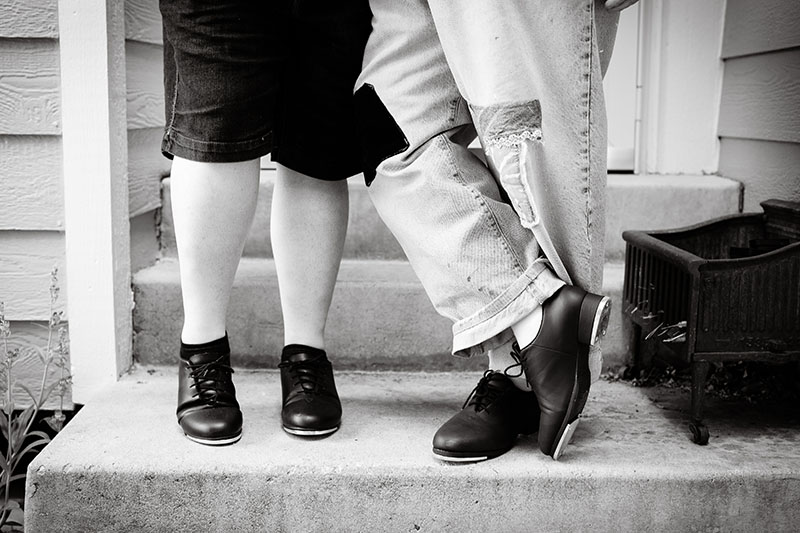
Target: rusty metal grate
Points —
{"points": [[724, 290]]}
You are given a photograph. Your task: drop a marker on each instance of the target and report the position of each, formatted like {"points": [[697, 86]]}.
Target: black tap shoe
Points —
{"points": [[556, 362], [311, 405], [495, 413], [208, 411]]}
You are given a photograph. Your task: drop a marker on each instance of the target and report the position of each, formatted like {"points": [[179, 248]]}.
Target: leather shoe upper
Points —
{"points": [[310, 401], [207, 408], [495, 413], [556, 365]]}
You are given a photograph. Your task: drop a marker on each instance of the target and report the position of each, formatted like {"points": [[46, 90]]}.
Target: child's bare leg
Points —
{"points": [[213, 206], [308, 226]]}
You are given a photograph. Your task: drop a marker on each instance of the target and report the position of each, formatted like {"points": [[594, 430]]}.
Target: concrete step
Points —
{"points": [[123, 465], [380, 318], [647, 202], [634, 202]]}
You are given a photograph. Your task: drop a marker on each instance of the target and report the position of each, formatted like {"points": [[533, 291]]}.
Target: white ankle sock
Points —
{"points": [[500, 360], [526, 329]]}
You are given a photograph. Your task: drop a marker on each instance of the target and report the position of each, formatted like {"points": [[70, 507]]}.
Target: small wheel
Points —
{"points": [[699, 433]]}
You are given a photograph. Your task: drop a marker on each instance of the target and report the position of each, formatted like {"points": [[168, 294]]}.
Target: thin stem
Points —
{"points": [[29, 425], [7, 475], [48, 356]]}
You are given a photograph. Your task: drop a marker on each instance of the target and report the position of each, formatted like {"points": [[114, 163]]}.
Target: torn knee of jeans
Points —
{"points": [[379, 133], [507, 132], [507, 125], [510, 169]]}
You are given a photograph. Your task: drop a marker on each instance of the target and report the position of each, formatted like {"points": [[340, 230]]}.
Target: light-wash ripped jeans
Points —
{"points": [[489, 243]]}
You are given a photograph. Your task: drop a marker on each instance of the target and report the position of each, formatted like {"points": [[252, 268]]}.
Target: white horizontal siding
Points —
{"points": [[146, 167], [762, 26], [145, 85], [767, 169], [29, 87], [31, 191], [29, 19], [145, 122], [143, 21], [31, 194], [25, 263], [759, 124], [761, 97]]}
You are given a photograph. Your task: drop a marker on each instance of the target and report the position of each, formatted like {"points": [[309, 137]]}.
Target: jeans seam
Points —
{"points": [[219, 146], [455, 108], [488, 213], [588, 171], [174, 98]]}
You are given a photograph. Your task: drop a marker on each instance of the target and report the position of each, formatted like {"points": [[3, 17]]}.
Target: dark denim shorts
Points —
{"points": [[244, 78]]}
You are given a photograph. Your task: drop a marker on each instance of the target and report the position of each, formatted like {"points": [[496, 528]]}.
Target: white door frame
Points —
{"points": [[619, 83], [679, 85]]}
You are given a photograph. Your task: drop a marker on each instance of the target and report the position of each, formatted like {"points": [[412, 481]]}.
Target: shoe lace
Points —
{"points": [[306, 374], [516, 355], [210, 379], [483, 395]]}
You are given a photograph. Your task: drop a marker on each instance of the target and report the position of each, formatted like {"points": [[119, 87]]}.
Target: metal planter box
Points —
{"points": [[723, 290]]}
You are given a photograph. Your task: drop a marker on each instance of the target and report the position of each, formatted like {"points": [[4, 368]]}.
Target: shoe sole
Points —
{"points": [[565, 439], [449, 459], [592, 326], [214, 442], [309, 432], [456, 457]]}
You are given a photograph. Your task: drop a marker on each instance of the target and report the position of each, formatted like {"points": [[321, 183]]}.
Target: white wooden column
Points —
{"points": [[94, 136]]}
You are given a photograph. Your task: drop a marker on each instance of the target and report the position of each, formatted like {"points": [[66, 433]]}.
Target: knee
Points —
{"points": [[379, 134]]}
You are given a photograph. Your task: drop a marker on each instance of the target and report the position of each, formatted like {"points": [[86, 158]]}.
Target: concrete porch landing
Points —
{"points": [[123, 465]]}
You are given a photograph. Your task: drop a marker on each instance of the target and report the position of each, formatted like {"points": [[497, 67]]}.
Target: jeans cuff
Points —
{"points": [[490, 326]]}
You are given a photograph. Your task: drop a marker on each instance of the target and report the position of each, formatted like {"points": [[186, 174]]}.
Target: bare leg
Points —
{"points": [[308, 226], [213, 206]]}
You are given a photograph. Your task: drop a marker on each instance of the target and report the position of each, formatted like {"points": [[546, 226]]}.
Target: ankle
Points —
{"points": [[202, 334], [219, 346], [503, 361], [293, 349], [307, 338], [528, 328]]}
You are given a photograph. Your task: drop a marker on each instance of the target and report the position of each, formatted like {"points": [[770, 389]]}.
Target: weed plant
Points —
{"points": [[18, 426]]}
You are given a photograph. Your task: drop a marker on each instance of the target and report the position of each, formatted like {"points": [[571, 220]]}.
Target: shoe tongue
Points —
{"points": [[497, 380], [299, 357], [203, 358], [491, 384]]}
